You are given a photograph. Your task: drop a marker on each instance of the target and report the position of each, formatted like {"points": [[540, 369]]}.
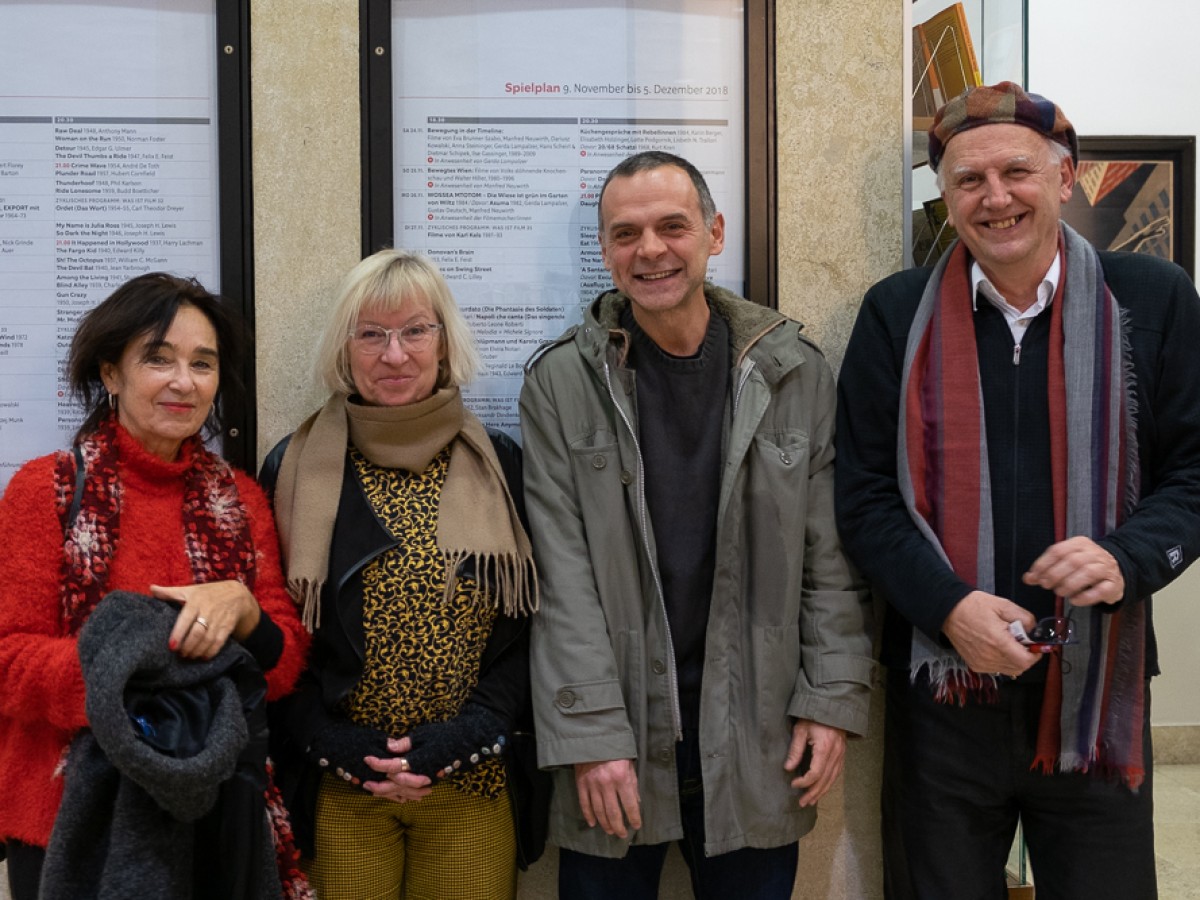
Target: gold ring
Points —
{"points": [[202, 622]]}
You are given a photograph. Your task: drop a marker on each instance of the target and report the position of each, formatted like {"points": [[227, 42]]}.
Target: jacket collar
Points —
{"points": [[756, 332]]}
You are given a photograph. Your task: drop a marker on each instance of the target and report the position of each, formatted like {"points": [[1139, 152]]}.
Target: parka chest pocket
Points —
{"points": [[779, 477], [782, 453], [596, 460], [602, 485]]}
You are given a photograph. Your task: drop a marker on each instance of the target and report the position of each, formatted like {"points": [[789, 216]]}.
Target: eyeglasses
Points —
{"points": [[374, 339], [1053, 631]]}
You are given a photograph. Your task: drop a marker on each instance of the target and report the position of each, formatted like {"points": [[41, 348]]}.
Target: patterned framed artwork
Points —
{"points": [[1137, 194]]}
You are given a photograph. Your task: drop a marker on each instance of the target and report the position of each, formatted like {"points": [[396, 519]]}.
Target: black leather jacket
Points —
{"points": [[336, 661]]}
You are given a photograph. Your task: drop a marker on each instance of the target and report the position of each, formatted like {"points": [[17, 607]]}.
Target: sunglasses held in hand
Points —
{"points": [[1053, 631]]}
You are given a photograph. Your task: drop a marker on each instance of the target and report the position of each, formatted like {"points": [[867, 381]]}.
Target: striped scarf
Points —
{"points": [[1092, 712]]}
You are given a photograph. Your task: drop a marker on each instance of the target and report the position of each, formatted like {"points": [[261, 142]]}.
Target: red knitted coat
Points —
{"points": [[41, 683]]}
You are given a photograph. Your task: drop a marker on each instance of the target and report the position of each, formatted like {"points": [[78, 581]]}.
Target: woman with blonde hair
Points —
{"points": [[402, 752]]}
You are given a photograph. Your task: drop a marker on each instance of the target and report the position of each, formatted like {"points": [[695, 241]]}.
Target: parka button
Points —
{"points": [[565, 699], [666, 754], [626, 476], [598, 461], [658, 666], [785, 458]]}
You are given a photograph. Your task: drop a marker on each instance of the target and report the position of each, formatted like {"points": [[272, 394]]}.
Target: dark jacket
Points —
{"points": [[336, 660], [1152, 547], [146, 810]]}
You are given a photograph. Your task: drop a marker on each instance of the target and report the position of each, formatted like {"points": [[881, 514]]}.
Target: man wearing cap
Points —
{"points": [[1019, 443]]}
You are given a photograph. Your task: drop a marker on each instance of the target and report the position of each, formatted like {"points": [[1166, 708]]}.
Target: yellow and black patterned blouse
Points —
{"points": [[422, 652]]}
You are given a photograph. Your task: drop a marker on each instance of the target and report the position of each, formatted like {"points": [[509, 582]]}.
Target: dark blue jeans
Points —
{"points": [[748, 874]]}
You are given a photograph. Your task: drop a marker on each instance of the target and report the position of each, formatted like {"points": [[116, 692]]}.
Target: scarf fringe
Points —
{"points": [[293, 882], [954, 684], [306, 594], [514, 580], [1133, 777], [1133, 475]]}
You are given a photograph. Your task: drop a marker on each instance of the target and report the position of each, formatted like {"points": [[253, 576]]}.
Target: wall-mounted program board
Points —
{"points": [[109, 167], [492, 125]]}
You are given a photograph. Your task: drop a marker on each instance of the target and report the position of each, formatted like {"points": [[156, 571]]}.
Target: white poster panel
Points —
{"points": [[108, 169], [507, 117]]}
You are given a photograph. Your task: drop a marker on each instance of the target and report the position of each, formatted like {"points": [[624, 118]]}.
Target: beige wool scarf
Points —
{"points": [[476, 516]]}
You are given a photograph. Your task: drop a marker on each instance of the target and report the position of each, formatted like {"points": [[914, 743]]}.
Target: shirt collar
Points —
{"points": [[1045, 292]]}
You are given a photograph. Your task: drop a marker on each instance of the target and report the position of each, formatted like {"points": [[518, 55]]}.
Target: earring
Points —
{"points": [[112, 402]]}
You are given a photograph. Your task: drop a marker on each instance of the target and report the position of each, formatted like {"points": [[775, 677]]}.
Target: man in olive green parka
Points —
{"points": [[701, 652]]}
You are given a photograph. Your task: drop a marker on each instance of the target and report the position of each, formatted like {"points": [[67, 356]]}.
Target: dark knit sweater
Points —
{"points": [[681, 406], [1152, 546], [42, 701]]}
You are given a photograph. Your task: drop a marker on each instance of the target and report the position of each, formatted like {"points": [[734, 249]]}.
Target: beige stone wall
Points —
{"points": [[839, 96], [839, 83], [307, 219]]}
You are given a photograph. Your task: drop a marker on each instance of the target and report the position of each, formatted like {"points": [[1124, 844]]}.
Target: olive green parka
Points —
{"points": [[787, 635]]}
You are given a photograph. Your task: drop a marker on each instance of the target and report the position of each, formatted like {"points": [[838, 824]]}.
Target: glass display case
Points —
{"points": [[1020, 880]]}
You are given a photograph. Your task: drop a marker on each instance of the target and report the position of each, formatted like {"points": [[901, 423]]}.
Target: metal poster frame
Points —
{"points": [[230, 253], [761, 279], [486, 138], [236, 211]]}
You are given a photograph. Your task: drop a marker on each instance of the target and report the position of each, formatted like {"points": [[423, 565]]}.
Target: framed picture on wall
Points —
{"points": [[1137, 194]]}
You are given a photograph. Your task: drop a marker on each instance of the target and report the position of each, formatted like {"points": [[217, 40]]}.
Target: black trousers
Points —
{"points": [[956, 780], [24, 870]]}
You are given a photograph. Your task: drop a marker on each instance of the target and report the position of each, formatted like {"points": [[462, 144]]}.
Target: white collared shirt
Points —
{"points": [[1018, 320]]}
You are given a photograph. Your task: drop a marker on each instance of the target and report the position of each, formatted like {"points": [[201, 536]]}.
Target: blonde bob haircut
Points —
{"points": [[382, 282]]}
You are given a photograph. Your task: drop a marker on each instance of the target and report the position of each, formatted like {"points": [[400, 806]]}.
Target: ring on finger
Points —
{"points": [[202, 622]]}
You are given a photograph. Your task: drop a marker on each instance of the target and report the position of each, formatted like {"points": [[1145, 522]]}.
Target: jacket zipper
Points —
{"points": [[644, 521], [747, 368]]}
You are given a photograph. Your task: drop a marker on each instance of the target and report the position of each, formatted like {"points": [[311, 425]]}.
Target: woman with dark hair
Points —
{"points": [[137, 506], [146, 307], [405, 754]]}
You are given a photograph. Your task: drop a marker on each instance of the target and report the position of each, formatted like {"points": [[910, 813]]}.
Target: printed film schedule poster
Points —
{"points": [[508, 116], [107, 170]]}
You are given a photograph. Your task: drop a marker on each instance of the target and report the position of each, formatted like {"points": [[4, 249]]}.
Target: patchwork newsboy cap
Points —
{"points": [[1005, 103]]}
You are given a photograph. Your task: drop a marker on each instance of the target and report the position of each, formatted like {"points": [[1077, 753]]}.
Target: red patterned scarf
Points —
{"points": [[216, 534], [1093, 708], [218, 545]]}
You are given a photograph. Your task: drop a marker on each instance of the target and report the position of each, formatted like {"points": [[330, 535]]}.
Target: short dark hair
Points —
{"points": [[147, 305], [656, 159]]}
